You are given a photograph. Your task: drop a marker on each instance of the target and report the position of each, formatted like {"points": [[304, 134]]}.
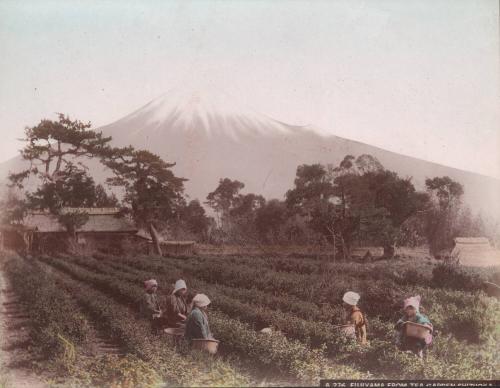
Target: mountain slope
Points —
{"points": [[210, 137]]}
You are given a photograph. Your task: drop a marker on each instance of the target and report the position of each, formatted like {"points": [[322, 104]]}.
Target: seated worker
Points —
{"points": [[197, 322], [151, 308], [354, 316], [176, 306], [411, 313]]}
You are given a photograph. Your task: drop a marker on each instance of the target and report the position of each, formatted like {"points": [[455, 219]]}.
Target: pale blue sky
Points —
{"points": [[416, 77]]}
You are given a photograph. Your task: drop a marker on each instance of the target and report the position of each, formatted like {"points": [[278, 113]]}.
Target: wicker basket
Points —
{"points": [[175, 331], [208, 345], [348, 330], [416, 330]]}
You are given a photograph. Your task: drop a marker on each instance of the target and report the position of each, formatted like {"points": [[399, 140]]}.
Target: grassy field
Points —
{"points": [[72, 298]]}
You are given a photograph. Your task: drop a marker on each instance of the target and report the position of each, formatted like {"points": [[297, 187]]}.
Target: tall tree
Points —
{"points": [[195, 218], [56, 151], [269, 220], [224, 198], [103, 199], [313, 198], [441, 218], [51, 145], [152, 190], [384, 202]]}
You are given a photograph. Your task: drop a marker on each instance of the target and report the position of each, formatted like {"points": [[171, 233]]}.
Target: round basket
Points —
{"points": [[416, 330], [348, 330], [175, 331], [208, 345]]}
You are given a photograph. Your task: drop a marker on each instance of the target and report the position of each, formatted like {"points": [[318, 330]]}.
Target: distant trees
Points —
{"points": [[195, 219], [357, 199], [447, 198], [236, 212], [442, 215], [224, 198], [269, 220]]}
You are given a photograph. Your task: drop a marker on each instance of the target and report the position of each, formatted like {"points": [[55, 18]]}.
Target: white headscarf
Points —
{"points": [[351, 298], [179, 285], [201, 300], [414, 301]]}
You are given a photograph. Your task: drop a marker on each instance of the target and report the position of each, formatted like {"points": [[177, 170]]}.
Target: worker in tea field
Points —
{"points": [[416, 338], [151, 307], [176, 307], [197, 322], [355, 317]]}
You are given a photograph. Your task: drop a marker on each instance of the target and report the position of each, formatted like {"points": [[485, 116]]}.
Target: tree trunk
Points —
{"points": [[155, 238], [346, 249], [389, 250]]}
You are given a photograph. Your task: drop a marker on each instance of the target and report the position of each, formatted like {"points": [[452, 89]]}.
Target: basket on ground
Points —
{"points": [[208, 345], [416, 330], [175, 331], [348, 330]]}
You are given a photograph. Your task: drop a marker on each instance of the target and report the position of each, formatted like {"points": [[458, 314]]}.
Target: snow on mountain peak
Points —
{"points": [[210, 111]]}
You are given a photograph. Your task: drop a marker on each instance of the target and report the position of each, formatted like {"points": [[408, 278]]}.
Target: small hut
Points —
{"points": [[105, 229], [475, 251]]}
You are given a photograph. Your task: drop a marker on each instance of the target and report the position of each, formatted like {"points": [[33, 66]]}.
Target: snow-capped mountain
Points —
{"points": [[213, 113], [210, 137]]}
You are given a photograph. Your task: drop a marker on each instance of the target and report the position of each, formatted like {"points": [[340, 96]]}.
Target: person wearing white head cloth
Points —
{"points": [[176, 306], [355, 317], [151, 307], [412, 313], [197, 323]]}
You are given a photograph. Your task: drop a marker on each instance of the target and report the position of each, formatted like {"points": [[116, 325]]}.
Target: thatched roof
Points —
{"points": [[475, 251], [101, 220], [471, 240]]}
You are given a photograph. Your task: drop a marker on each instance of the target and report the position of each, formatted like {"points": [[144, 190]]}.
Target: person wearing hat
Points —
{"points": [[176, 306], [355, 317], [151, 307], [411, 313], [197, 322]]}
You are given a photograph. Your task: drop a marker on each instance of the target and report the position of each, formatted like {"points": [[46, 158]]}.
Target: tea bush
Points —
{"points": [[453, 276], [52, 313], [299, 299]]}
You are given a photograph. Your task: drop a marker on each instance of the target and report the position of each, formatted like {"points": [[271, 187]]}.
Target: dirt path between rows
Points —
{"points": [[15, 358]]}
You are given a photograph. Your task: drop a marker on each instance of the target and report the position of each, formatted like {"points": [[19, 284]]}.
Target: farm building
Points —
{"points": [[475, 251], [105, 229]]}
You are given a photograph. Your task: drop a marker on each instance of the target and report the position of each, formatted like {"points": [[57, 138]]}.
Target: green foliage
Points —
{"points": [[224, 198], [52, 313], [194, 217], [52, 146], [248, 294], [269, 219], [134, 334], [72, 221], [456, 277], [152, 190]]}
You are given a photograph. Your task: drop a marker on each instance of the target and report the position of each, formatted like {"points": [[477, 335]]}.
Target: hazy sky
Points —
{"points": [[417, 77]]}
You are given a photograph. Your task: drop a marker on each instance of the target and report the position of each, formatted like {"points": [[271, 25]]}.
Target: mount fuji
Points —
{"points": [[210, 137]]}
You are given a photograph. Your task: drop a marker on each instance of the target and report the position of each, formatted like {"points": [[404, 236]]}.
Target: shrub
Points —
{"points": [[455, 277]]}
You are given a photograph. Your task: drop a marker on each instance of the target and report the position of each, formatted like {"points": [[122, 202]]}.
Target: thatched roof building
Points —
{"points": [[475, 251], [104, 228], [101, 220]]}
